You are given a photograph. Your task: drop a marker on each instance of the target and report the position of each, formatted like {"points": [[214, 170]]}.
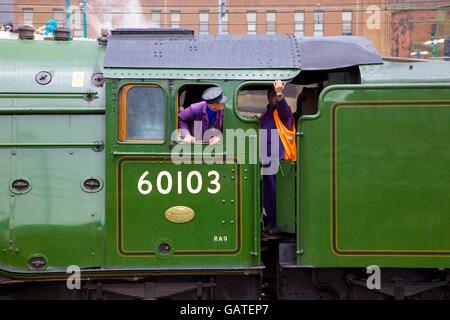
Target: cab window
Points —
{"points": [[141, 114], [252, 99]]}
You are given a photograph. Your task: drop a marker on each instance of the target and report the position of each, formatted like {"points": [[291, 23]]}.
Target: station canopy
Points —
{"points": [[246, 56]]}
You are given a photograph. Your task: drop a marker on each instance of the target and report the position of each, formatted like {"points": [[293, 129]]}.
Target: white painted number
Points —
{"points": [[214, 182], [169, 182], [164, 182], [143, 182], [199, 182]]}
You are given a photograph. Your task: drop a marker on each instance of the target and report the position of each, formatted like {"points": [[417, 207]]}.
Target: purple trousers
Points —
{"points": [[269, 186]]}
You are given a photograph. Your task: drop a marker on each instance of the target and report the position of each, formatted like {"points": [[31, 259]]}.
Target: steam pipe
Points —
{"points": [[85, 18], [68, 15]]}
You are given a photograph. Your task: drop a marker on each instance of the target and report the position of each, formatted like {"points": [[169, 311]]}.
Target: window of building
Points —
{"points": [[141, 113], [59, 15], [79, 30], [346, 23], [225, 23], [175, 19], [156, 19], [251, 22], [299, 23], [318, 23], [271, 17], [204, 22], [108, 20], [28, 17]]}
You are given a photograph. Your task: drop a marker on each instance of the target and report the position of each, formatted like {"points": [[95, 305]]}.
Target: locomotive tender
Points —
{"points": [[87, 180]]}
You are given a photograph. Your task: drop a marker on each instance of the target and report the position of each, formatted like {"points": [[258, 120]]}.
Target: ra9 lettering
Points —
{"points": [[193, 184]]}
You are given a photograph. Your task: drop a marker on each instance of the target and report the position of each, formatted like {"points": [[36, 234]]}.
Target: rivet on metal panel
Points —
{"points": [[223, 201], [232, 221], [245, 178], [223, 221], [92, 254], [92, 214]]}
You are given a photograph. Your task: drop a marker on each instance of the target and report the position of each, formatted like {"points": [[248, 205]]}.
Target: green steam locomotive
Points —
{"points": [[93, 206]]}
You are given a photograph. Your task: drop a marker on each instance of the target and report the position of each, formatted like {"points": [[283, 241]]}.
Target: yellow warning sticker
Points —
{"points": [[78, 79]]}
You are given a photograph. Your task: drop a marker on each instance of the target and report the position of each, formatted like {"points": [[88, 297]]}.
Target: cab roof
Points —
{"points": [[148, 49]]}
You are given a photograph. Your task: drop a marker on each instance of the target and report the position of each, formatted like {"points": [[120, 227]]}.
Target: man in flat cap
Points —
{"points": [[207, 114]]}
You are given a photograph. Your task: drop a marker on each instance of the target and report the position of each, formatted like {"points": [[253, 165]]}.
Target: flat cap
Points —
{"points": [[214, 95]]}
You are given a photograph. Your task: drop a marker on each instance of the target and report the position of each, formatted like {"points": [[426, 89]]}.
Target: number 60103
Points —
{"points": [[193, 183]]}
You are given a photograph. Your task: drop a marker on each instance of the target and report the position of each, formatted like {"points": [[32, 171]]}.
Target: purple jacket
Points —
{"points": [[198, 112], [268, 122]]}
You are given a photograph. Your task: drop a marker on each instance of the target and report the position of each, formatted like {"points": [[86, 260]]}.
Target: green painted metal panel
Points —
{"points": [[145, 225], [22, 60], [406, 72], [215, 228], [286, 196], [56, 218], [374, 178]]}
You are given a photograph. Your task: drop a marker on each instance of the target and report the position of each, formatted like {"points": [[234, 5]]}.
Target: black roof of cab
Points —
{"points": [[181, 49]]}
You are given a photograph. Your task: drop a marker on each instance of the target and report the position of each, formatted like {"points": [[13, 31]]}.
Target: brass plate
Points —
{"points": [[179, 214]]}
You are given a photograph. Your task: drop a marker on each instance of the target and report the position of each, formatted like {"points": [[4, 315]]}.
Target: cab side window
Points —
{"points": [[141, 114]]}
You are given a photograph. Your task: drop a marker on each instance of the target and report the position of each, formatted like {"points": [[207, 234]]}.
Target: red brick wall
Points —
{"points": [[409, 30], [237, 15]]}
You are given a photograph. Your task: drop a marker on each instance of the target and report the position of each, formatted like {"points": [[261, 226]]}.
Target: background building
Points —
{"points": [[6, 11], [415, 22], [395, 27]]}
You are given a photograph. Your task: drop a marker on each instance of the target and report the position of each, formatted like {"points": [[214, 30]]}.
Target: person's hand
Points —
{"points": [[278, 86], [189, 139], [215, 140], [40, 30]]}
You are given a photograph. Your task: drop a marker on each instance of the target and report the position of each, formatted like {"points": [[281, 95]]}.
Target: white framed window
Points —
{"points": [[59, 16], [225, 23], [251, 22], [28, 17], [318, 23], [346, 23], [156, 19], [204, 22], [299, 23], [175, 19], [271, 21]]}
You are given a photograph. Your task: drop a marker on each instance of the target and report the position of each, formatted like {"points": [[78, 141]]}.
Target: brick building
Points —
{"points": [[6, 11], [371, 19], [414, 22]]}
